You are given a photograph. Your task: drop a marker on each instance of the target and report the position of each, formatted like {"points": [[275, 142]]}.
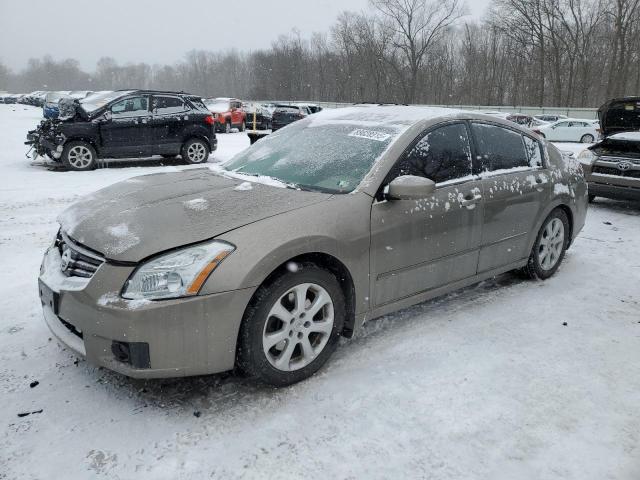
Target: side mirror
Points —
{"points": [[410, 187]]}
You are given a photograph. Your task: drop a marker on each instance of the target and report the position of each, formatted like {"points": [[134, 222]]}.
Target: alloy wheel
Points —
{"points": [[298, 327], [197, 152], [551, 244], [80, 157]]}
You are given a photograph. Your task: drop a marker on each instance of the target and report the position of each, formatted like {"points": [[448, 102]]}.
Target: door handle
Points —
{"points": [[470, 202]]}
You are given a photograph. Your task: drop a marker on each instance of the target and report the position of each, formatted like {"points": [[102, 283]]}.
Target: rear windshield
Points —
{"points": [[217, 106], [98, 100], [330, 157], [287, 110]]}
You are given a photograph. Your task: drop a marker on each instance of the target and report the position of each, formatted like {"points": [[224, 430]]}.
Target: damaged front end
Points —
{"points": [[48, 138]]}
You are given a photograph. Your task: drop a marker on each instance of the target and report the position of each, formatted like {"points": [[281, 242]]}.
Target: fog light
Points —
{"points": [[135, 354]]}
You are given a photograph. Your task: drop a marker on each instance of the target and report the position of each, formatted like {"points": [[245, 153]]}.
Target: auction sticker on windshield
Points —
{"points": [[370, 135]]}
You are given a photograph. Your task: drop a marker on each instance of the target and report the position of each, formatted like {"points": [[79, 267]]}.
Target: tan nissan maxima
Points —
{"points": [[264, 262]]}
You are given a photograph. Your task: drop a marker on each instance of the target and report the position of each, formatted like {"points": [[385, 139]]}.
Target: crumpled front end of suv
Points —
{"points": [[47, 139]]}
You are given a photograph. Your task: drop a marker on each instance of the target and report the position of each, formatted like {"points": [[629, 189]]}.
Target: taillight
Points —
{"points": [[209, 119]]}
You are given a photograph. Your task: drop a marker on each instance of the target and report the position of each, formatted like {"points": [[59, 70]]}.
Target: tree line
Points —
{"points": [[566, 53]]}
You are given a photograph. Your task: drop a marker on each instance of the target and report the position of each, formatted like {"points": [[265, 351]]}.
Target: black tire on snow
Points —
{"points": [[251, 358], [533, 269]]}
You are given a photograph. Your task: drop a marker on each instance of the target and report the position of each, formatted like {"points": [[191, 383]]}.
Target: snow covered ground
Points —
{"points": [[486, 383]]}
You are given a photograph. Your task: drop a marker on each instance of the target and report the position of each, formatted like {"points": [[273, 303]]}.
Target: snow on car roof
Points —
{"points": [[396, 117]]}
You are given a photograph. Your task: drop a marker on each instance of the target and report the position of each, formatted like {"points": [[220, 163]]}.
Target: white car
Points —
{"points": [[570, 130]]}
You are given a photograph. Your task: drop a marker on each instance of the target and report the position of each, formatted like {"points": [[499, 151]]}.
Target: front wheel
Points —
{"points": [[79, 156], [550, 246], [292, 326], [588, 138], [195, 151]]}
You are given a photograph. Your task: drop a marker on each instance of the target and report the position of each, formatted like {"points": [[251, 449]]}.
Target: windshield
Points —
{"points": [[53, 97], [98, 100], [328, 156]]}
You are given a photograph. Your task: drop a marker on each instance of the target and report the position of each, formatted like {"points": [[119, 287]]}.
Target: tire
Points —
{"points": [[243, 126], [591, 198], [195, 151], [588, 138], [537, 265], [287, 360], [227, 127], [79, 156]]}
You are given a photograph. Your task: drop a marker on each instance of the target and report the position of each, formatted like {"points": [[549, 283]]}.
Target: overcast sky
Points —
{"points": [[158, 31]]}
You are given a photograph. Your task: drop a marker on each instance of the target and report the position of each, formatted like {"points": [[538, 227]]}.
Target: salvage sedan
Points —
{"points": [[263, 263]]}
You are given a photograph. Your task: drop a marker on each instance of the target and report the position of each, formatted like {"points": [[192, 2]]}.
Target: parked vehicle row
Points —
{"points": [[126, 124]]}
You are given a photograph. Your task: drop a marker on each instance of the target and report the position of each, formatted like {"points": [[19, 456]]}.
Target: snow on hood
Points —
{"points": [[134, 219], [626, 136]]}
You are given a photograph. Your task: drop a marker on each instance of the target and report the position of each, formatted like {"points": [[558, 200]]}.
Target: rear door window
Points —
{"points": [[167, 105], [442, 155], [499, 148]]}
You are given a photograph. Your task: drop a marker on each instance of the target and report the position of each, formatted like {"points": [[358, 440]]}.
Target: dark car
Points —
{"points": [[258, 117], [612, 166], [283, 115], [126, 124]]}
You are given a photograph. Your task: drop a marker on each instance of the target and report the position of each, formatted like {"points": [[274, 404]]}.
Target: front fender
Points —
{"points": [[339, 227]]}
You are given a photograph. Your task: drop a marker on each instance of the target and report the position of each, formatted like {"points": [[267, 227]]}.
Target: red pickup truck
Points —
{"points": [[228, 113]]}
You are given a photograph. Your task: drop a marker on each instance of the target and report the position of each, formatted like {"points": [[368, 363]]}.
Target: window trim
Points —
{"points": [[477, 159], [122, 99]]}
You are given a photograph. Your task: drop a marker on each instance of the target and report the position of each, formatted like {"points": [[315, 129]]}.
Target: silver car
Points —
{"points": [[264, 262]]}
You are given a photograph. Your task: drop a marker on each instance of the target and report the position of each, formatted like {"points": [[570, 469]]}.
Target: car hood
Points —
{"points": [[620, 115], [142, 216]]}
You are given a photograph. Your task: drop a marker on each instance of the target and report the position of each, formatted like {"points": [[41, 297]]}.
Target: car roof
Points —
{"points": [[153, 92], [402, 115]]}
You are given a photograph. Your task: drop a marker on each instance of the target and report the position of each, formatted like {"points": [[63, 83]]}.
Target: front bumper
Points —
{"points": [[189, 336], [614, 192]]}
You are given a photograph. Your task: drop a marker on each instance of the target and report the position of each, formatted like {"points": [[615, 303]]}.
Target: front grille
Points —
{"points": [[76, 260], [613, 159], [616, 172]]}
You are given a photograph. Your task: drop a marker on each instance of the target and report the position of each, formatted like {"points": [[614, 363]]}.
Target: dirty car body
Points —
{"points": [[351, 201]]}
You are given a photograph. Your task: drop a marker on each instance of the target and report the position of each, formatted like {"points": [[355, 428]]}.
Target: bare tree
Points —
{"points": [[416, 26]]}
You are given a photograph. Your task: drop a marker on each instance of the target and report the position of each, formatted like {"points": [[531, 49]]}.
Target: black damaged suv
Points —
{"points": [[126, 124]]}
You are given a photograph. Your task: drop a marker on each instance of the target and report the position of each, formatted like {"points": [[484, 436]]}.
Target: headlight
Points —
{"points": [[586, 157], [177, 274]]}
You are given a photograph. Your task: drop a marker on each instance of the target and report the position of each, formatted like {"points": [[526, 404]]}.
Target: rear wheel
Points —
{"points": [[195, 151], [588, 138], [550, 246], [292, 326], [79, 156]]}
